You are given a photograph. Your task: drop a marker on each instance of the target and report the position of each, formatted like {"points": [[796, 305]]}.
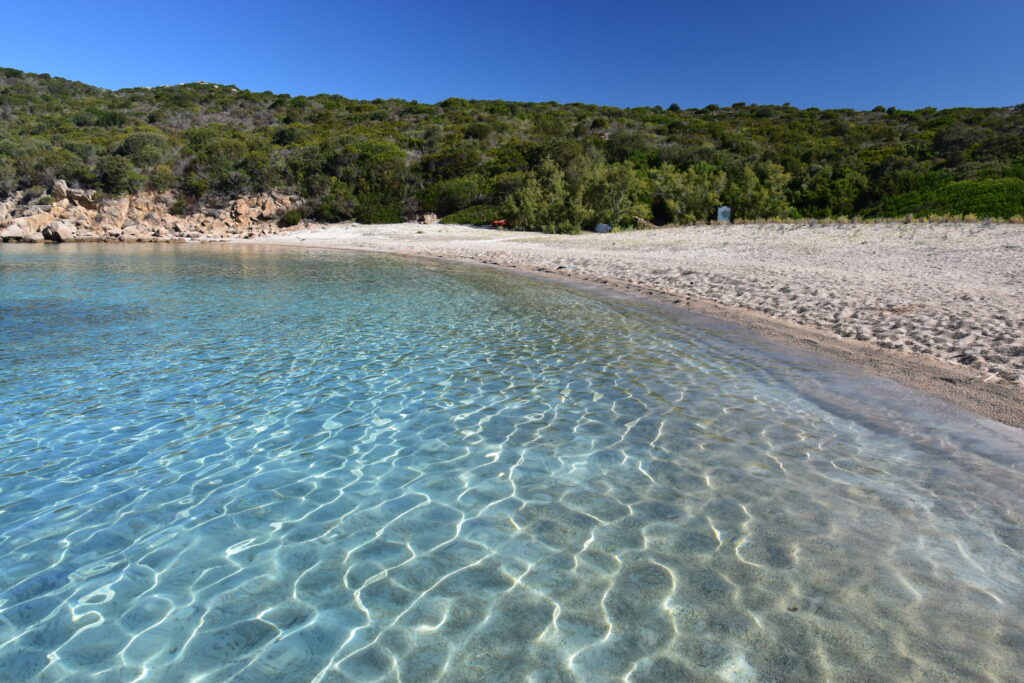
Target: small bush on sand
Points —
{"points": [[378, 209], [290, 218], [998, 198], [481, 214]]}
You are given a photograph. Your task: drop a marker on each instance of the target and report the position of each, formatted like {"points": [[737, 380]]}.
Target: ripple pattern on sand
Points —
{"points": [[247, 464]]}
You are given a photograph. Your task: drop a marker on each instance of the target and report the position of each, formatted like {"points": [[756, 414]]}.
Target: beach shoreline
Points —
{"points": [[636, 263]]}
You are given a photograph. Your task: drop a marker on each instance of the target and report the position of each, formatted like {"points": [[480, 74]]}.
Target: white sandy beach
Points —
{"points": [[947, 292]]}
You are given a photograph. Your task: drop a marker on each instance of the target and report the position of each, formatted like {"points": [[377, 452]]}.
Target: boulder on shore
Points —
{"points": [[130, 233], [59, 231], [13, 233], [59, 190], [111, 216], [34, 222], [83, 198], [268, 210]]}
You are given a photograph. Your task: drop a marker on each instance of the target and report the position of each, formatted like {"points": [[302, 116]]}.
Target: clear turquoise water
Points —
{"points": [[250, 464]]}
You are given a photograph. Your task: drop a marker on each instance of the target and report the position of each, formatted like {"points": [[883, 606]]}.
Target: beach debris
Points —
{"points": [[725, 214], [602, 227]]}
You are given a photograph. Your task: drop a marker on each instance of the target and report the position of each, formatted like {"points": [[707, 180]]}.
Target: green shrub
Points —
{"points": [[481, 214], [144, 148], [33, 193], [162, 178], [604, 164], [337, 203], [686, 196], [194, 186], [291, 217], [179, 207], [991, 198], [117, 175], [448, 196], [111, 119], [546, 201], [377, 209], [84, 118]]}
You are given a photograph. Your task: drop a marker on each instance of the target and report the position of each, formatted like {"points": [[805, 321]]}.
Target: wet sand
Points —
{"points": [[937, 307]]}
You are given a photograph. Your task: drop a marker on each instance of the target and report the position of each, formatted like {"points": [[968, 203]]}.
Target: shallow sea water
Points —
{"points": [[242, 463]]}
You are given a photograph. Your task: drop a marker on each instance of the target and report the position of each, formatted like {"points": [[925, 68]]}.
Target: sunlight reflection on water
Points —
{"points": [[255, 463]]}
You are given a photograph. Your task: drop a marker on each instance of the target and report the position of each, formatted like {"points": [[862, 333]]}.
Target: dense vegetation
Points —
{"points": [[557, 167]]}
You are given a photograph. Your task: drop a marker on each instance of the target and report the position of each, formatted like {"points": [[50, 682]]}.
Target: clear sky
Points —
{"points": [[811, 53]]}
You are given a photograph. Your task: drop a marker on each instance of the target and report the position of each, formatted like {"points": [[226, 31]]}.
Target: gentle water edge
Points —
{"points": [[245, 462], [935, 308]]}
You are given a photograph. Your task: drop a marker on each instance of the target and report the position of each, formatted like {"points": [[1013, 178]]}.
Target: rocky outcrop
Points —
{"points": [[111, 215], [268, 210], [75, 216], [83, 198], [34, 222]]}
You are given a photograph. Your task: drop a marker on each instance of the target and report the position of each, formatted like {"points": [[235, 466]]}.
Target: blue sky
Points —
{"points": [[823, 53]]}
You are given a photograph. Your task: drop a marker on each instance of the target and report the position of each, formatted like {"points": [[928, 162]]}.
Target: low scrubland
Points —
{"points": [[546, 166]]}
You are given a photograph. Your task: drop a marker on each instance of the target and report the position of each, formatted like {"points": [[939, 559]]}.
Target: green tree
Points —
{"points": [[8, 177], [337, 203], [380, 179], [755, 196], [449, 196], [216, 143], [615, 194], [686, 196], [162, 178], [546, 202], [145, 148], [117, 175]]}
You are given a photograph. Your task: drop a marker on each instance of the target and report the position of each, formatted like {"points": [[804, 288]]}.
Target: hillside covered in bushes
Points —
{"points": [[550, 166]]}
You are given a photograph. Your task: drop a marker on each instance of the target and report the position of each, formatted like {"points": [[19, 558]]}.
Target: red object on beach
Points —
{"points": [[498, 224]]}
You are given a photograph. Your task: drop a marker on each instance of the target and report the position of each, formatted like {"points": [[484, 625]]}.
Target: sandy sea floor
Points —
{"points": [[935, 306]]}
